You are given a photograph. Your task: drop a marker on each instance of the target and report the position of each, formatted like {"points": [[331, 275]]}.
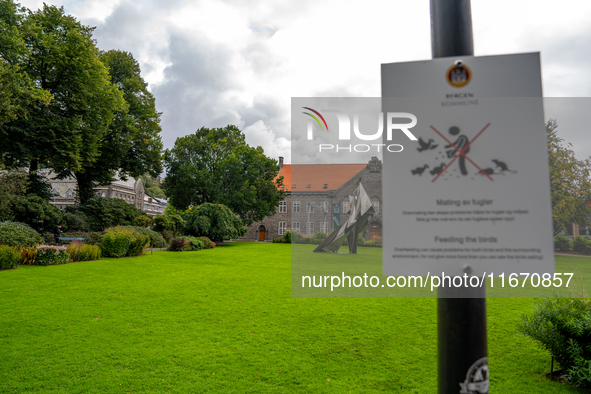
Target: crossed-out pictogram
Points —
{"points": [[461, 152]]}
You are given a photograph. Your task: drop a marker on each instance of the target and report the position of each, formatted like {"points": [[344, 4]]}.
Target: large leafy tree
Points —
{"points": [[570, 182], [17, 90], [62, 59], [131, 145], [217, 166]]}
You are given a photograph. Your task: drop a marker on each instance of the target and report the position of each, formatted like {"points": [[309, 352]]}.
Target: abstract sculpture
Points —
{"points": [[361, 210]]}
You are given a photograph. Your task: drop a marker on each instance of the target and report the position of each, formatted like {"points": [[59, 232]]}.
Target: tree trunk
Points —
{"points": [[85, 187]]}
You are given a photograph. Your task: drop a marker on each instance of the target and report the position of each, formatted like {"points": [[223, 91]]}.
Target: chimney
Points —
{"points": [[280, 162]]}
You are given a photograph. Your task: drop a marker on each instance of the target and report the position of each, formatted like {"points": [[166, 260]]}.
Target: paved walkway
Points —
{"points": [[571, 255]]}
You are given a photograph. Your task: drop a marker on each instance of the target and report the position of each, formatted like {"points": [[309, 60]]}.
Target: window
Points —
{"points": [[324, 227], [345, 206], [325, 205], [103, 194], [326, 185], [309, 186], [282, 227], [309, 207], [376, 204], [310, 230], [296, 207], [283, 206], [295, 226]]}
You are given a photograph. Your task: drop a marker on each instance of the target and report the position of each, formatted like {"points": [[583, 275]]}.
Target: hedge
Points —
{"points": [[8, 257], [18, 234]]}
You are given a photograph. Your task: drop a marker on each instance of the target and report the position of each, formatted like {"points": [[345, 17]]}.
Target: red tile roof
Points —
{"points": [[317, 175]]}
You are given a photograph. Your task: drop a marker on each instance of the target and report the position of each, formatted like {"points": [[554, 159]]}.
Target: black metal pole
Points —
{"points": [[461, 312]]}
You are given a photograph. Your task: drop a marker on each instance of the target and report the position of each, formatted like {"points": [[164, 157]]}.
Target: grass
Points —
{"points": [[223, 321]]}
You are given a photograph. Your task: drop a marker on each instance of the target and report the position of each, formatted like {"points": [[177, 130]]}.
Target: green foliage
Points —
{"points": [[156, 239], [52, 255], [570, 182], [194, 243], [12, 184], [215, 221], [287, 237], [142, 221], [131, 144], [169, 222], [34, 211], [138, 244], [582, 244], [116, 241], [17, 90], [207, 243], [217, 166], [18, 234], [83, 252], [152, 186], [9, 257], [62, 60], [563, 327], [562, 243], [109, 212], [75, 221]]}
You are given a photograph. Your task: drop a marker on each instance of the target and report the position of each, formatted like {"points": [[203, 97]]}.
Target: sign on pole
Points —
{"points": [[472, 194]]}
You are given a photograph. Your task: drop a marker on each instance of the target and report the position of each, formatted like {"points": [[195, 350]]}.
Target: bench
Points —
{"points": [[71, 239]]}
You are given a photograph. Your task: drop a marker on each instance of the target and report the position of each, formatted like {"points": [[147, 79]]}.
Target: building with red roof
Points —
{"points": [[317, 199]]}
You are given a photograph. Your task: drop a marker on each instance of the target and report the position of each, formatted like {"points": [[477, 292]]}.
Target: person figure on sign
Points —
{"points": [[56, 233], [460, 143]]}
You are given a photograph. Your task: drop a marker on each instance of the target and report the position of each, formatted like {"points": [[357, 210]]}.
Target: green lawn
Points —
{"points": [[223, 320]]}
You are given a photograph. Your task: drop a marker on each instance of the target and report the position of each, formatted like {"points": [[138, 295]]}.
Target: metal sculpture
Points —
{"points": [[361, 210]]}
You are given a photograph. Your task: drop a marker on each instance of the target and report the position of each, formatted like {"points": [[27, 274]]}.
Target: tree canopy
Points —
{"points": [[67, 106], [214, 221], [570, 182], [131, 145], [61, 58], [217, 166]]}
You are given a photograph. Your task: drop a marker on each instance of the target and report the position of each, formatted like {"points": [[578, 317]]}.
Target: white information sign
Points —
{"points": [[472, 194]]}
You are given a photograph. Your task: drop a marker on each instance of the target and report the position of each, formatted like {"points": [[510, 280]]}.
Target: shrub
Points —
{"points": [[215, 221], [582, 244], [18, 234], [360, 240], [287, 237], [27, 255], [52, 255], [170, 222], [142, 221], [207, 243], [8, 257], [138, 244], [178, 245], [278, 240], [563, 327], [562, 243], [373, 243], [82, 252], [194, 244], [156, 239], [116, 241]]}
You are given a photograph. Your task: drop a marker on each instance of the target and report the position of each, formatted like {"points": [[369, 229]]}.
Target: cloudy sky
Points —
{"points": [[210, 63]]}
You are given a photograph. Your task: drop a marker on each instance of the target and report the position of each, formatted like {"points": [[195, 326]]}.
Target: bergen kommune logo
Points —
{"points": [[393, 123]]}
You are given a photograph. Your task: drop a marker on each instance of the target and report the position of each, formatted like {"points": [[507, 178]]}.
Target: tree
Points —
{"points": [[215, 221], [570, 182], [61, 59], [217, 166], [17, 90], [131, 145]]}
